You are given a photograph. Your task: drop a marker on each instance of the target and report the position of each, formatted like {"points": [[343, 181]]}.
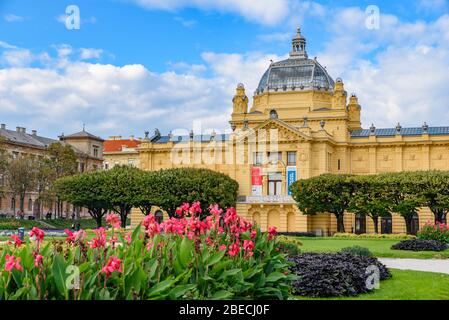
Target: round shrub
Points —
{"points": [[439, 232], [420, 245], [333, 274], [357, 251], [289, 246]]}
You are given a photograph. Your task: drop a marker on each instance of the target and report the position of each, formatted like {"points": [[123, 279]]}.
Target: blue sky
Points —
{"points": [[139, 64]]}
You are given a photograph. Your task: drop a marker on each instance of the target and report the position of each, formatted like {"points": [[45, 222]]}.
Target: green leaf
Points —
{"points": [[185, 252], [221, 295], [58, 269], [161, 286], [215, 258], [180, 290], [275, 276], [229, 273]]}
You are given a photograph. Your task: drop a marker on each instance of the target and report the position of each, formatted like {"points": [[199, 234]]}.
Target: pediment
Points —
{"points": [[284, 131]]}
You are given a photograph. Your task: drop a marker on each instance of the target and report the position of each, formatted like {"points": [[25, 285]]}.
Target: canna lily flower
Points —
{"points": [[248, 245], [100, 240], [272, 231], [114, 265], [17, 242], [37, 233], [195, 208], [215, 210], [234, 250], [38, 260], [253, 234], [113, 220], [12, 262], [222, 247], [128, 238]]}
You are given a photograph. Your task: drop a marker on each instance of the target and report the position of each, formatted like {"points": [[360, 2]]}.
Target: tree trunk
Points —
{"points": [[340, 223], [376, 224], [440, 216], [22, 203], [408, 223]]}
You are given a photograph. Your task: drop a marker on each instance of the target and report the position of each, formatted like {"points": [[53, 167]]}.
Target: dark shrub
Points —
{"points": [[333, 274], [357, 251], [298, 234], [420, 245]]}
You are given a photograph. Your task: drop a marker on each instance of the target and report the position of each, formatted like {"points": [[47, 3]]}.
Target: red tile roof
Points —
{"points": [[116, 145]]}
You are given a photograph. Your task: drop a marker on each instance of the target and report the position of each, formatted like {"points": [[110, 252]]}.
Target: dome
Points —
{"points": [[296, 73]]}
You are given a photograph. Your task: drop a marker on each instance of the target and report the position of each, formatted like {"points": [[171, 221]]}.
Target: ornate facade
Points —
{"points": [[301, 124]]}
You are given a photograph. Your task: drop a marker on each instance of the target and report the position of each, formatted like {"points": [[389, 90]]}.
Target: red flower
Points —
{"points": [[37, 260], [70, 236], [222, 247], [100, 240], [195, 208], [113, 220], [248, 245], [190, 235], [272, 232], [215, 210], [12, 262], [38, 233], [128, 238], [17, 241], [113, 265], [253, 234], [234, 250]]}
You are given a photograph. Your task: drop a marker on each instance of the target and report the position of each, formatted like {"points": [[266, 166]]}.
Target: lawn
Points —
{"points": [[379, 247], [406, 285]]}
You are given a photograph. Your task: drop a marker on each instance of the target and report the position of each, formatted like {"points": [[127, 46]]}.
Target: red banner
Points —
{"points": [[256, 176]]}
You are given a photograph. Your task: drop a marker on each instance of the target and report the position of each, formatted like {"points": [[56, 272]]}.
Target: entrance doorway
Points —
{"points": [[415, 224], [274, 184], [360, 224], [386, 225]]}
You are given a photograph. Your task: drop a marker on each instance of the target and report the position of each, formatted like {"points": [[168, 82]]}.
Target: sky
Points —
{"points": [[136, 65]]}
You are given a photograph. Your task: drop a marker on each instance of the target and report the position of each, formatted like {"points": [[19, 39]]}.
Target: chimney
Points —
{"points": [[3, 126], [18, 129], [131, 138], [34, 132], [24, 130]]}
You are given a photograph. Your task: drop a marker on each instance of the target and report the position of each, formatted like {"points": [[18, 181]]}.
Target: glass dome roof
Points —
{"points": [[296, 73]]}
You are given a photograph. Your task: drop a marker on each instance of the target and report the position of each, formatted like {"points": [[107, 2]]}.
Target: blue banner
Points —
{"points": [[291, 177]]}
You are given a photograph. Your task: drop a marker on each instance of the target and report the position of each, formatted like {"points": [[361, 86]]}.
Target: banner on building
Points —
{"points": [[256, 181], [291, 177]]}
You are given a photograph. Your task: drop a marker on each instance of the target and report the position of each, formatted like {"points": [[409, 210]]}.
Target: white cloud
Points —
{"points": [[262, 11], [13, 18], [64, 93], [90, 53], [188, 23]]}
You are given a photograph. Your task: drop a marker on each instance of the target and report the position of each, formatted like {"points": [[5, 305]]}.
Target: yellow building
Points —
{"points": [[301, 124]]}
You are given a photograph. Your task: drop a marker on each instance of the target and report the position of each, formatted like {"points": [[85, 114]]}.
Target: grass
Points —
{"points": [[405, 285], [379, 247]]}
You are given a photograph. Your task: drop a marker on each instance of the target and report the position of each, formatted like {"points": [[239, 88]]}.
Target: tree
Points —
{"points": [[21, 177], [121, 187], [326, 193], [44, 184], [62, 162], [170, 188], [401, 194], [85, 190], [4, 160], [369, 199], [433, 188]]}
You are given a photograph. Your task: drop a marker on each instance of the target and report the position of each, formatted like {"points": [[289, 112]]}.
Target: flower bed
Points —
{"points": [[335, 274], [398, 236], [439, 232], [220, 257], [420, 245]]}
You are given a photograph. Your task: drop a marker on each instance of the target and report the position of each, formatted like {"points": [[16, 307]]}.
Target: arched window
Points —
{"points": [[360, 224], [159, 216], [415, 224], [386, 226], [273, 114]]}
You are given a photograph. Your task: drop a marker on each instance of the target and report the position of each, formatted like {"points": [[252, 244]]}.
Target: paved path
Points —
{"points": [[429, 265]]}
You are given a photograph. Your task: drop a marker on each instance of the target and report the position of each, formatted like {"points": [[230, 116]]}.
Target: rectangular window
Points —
{"points": [[30, 205], [274, 184], [131, 162], [274, 156], [95, 152], [291, 158], [106, 165], [339, 164], [257, 158]]}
